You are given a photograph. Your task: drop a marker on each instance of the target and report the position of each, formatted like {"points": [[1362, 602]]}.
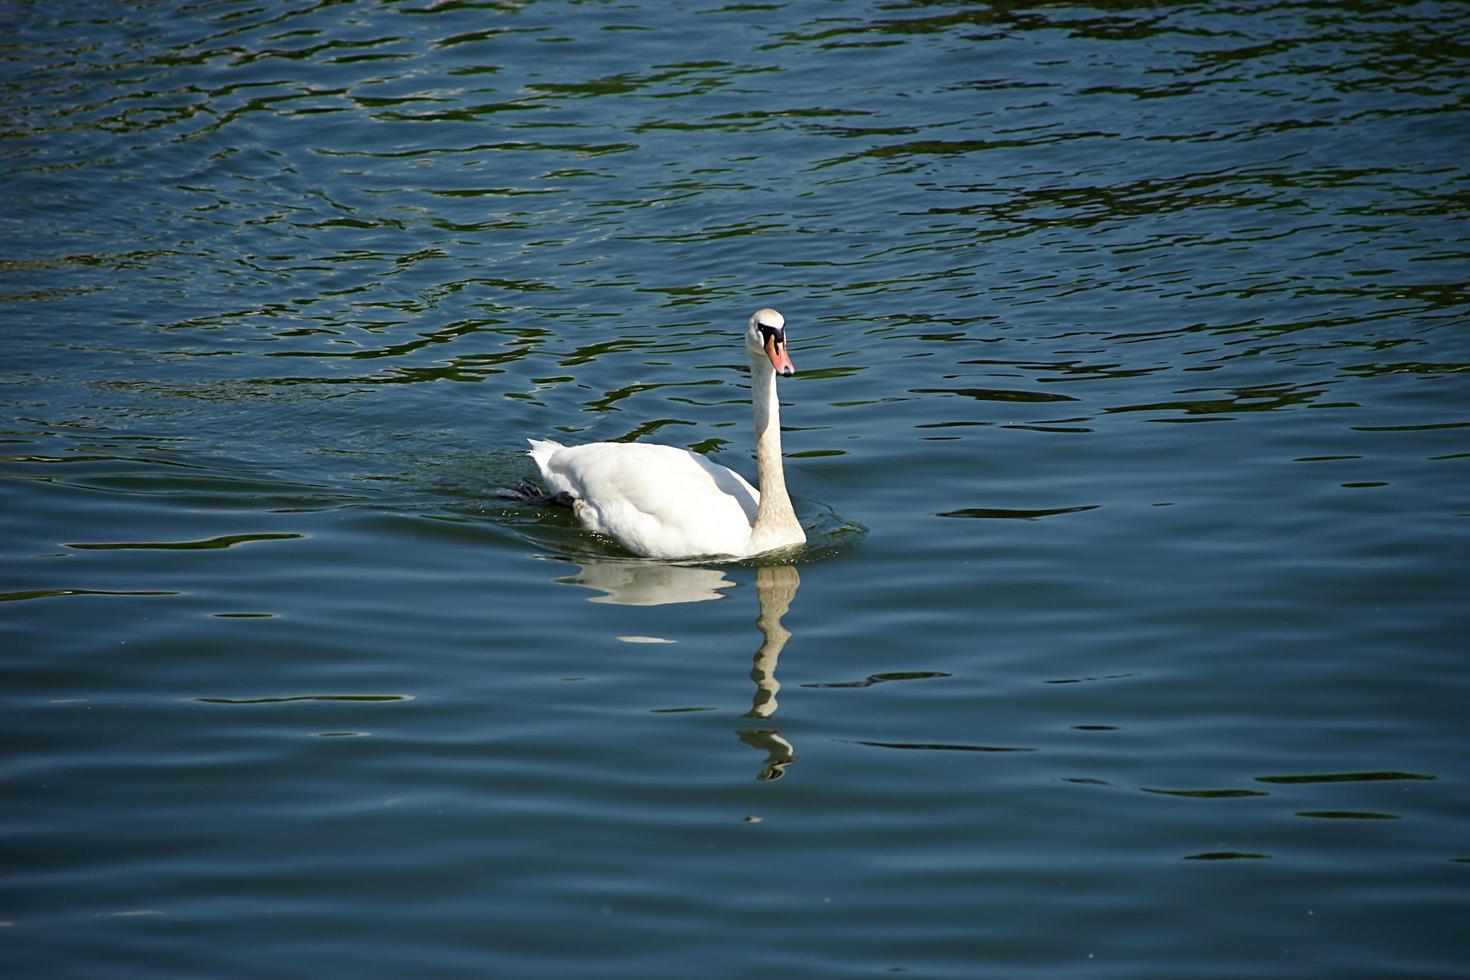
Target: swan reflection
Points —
{"points": [[775, 587], [646, 583]]}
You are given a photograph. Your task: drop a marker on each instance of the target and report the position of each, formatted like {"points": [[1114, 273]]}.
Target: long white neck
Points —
{"points": [[776, 525]]}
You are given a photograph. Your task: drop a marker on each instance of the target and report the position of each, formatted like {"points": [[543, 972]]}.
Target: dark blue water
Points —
{"points": [[1131, 430]]}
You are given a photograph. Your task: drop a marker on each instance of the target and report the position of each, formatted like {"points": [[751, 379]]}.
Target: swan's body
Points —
{"points": [[663, 502]]}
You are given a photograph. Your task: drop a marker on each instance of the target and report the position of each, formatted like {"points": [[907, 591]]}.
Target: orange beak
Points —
{"points": [[780, 360]]}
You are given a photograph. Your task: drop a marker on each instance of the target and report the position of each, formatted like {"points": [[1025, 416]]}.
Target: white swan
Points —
{"points": [[663, 502]]}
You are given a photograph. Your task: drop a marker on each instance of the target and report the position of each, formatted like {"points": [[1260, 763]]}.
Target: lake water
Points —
{"points": [[1131, 429]]}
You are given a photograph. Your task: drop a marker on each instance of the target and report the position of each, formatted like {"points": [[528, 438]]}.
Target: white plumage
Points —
{"points": [[659, 501]]}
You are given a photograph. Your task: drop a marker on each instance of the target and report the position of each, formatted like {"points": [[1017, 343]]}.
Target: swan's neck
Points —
{"points": [[775, 521]]}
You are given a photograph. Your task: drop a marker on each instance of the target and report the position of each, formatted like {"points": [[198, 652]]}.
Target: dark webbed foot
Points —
{"points": [[522, 489], [527, 491]]}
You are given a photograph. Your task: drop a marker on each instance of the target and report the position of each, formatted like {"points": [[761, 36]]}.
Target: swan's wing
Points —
{"points": [[659, 501]]}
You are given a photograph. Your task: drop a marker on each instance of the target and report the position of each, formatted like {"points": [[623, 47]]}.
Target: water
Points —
{"points": [[1130, 430]]}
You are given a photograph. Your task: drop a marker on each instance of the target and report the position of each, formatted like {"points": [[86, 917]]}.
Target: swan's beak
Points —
{"points": [[776, 351]]}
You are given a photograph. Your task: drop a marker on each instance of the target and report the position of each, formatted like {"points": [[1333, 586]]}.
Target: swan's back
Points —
{"points": [[658, 501]]}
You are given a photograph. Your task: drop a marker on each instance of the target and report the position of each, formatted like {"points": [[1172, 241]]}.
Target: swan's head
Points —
{"points": [[765, 336]]}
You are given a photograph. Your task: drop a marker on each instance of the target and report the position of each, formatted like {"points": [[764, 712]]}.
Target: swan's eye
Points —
{"points": [[778, 334]]}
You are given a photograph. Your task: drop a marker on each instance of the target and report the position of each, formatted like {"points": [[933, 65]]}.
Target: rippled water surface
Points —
{"points": [[1131, 432]]}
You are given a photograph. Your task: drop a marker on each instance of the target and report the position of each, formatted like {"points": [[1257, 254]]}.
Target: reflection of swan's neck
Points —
{"points": [[775, 520], [775, 588]]}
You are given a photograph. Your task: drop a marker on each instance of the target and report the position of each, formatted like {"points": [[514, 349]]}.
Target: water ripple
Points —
{"points": [[312, 273]]}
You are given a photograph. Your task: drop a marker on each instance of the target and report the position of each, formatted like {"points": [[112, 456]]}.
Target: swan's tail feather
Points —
{"points": [[542, 450], [541, 453]]}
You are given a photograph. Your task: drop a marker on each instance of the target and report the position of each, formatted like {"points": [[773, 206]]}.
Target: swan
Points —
{"points": [[664, 502]]}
